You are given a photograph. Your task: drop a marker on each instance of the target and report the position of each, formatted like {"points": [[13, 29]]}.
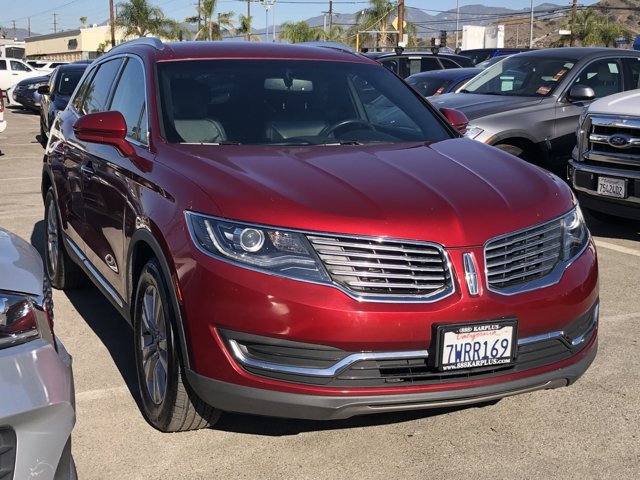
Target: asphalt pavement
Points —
{"points": [[589, 430]]}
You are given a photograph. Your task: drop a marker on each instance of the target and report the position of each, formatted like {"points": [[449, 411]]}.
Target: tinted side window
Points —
{"points": [[632, 68], [446, 63], [129, 98], [604, 76], [19, 66], [98, 91], [3, 64], [424, 65], [77, 100]]}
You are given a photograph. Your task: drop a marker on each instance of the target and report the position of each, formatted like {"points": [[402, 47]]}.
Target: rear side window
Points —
{"points": [[3, 64], [98, 90], [129, 99], [632, 67]]}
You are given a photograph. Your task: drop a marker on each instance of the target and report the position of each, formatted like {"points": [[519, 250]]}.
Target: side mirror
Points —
{"points": [[108, 128], [580, 92], [456, 118], [43, 89]]}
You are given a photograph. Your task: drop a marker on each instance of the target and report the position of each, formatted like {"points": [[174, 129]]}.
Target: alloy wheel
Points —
{"points": [[153, 345]]}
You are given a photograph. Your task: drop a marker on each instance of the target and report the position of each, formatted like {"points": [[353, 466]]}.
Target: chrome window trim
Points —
{"points": [[360, 298]]}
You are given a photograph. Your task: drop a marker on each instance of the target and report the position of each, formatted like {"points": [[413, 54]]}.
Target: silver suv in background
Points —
{"points": [[529, 103], [605, 169], [37, 410]]}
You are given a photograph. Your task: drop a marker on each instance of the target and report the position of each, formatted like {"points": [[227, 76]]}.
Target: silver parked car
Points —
{"points": [[529, 103], [37, 411]]}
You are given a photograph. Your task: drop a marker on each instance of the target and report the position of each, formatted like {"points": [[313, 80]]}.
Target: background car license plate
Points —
{"points": [[476, 345], [612, 187]]}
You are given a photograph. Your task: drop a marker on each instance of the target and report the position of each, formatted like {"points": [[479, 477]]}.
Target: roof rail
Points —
{"points": [[154, 42]]}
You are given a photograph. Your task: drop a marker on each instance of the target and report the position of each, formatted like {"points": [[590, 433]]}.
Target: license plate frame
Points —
{"points": [[612, 187], [471, 359]]}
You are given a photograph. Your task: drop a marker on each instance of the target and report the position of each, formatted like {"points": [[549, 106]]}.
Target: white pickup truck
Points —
{"points": [[605, 165], [13, 70]]}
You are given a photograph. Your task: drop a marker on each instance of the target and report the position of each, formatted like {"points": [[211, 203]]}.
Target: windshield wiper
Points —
{"points": [[344, 142]]}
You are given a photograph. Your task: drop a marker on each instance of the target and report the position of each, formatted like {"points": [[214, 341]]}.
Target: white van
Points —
{"points": [[13, 70]]}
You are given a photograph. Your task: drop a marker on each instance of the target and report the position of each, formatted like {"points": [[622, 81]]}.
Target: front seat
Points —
{"points": [[607, 83], [190, 117]]}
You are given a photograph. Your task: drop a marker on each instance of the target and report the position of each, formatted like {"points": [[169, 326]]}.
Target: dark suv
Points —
{"points": [[293, 231], [405, 64]]}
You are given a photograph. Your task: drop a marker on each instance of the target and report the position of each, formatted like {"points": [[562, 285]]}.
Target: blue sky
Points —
{"points": [[68, 12]]}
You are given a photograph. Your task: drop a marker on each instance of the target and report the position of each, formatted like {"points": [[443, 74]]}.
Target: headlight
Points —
{"points": [[473, 131], [18, 319], [575, 234], [275, 251], [35, 86]]}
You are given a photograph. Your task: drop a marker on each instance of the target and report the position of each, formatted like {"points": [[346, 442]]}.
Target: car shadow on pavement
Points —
{"points": [[105, 321], [624, 229]]}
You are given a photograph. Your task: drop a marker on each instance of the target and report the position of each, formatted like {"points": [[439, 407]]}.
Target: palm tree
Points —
{"points": [[376, 18], [334, 34], [592, 29], [211, 29], [139, 18], [295, 32], [245, 26]]}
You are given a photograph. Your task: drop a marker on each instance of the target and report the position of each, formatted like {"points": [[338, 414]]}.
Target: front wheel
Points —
{"points": [[168, 403], [513, 150]]}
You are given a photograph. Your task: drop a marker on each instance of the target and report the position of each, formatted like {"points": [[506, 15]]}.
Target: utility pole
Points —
{"points": [[112, 24], [330, 14], [457, 23], [199, 22], [28, 26], [400, 21], [574, 11], [15, 35], [531, 27], [247, 36], [55, 22]]}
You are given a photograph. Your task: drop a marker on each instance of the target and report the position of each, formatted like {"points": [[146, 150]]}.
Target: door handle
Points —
{"points": [[87, 170]]}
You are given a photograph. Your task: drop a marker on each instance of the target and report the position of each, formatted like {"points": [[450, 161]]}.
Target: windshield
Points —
{"points": [[290, 102], [428, 87], [527, 76]]}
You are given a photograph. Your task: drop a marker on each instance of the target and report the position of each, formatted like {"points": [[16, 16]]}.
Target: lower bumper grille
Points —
{"points": [[312, 364]]}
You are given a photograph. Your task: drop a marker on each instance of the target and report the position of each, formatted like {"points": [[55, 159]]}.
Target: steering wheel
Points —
{"points": [[326, 131]]}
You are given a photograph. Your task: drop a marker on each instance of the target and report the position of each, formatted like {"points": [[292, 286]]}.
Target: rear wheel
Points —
{"points": [[169, 404], [63, 272]]}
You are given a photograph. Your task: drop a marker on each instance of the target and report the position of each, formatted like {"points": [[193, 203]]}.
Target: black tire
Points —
{"points": [[62, 271], [168, 403], [43, 135]]}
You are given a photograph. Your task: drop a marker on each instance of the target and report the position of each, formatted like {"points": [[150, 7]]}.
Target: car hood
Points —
{"points": [[456, 192], [20, 265], [475, 105]]}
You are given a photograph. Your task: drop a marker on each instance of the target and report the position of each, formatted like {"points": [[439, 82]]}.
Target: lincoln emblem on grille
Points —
{"points": [[619, 141]]}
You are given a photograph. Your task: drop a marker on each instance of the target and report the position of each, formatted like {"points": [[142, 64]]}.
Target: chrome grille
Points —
{"points": [[385, 268], [602, 129], [521, 257]]}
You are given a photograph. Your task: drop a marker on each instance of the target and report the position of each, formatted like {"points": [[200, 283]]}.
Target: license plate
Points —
{"points": [[612, 187], [476, 345]]}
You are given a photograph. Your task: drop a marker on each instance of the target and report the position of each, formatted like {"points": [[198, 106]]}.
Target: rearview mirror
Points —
{"points": [[108, 128], [43, 89], [456, 118]]}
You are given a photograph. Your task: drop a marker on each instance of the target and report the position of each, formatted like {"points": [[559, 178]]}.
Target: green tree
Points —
{"points": [[138, 17], [334, 34], [211, 27], [296, 32], [593, 29], [83, 21], [244, 27], [376, 18]]}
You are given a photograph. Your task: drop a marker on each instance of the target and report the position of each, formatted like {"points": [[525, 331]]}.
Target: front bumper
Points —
{"points": [[38, 409], [238, 398]]}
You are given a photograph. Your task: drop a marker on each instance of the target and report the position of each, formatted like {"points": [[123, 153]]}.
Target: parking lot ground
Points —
{"points": [[590, 430]]}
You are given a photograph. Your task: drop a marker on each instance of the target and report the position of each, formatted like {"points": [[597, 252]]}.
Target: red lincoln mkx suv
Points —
{"points": [[292, 231]]}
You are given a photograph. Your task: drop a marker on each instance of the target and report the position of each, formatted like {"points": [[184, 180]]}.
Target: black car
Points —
{"points": [[57, 92], [26, 92], [409, 63], [478, 55], [437, 82]]}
